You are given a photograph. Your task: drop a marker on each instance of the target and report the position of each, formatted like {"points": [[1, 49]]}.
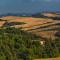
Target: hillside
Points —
{"points": [[28, 38], [45, 27]]}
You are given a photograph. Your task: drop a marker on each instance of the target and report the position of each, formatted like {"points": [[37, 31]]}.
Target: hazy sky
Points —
{"points": [[28, 6]]}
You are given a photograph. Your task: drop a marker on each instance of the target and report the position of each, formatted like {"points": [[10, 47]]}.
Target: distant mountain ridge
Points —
{"points": [[16, 14], [39, 14]]}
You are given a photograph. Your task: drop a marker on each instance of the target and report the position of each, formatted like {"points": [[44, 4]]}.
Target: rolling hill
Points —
{"points": [[45, 27], [30, 38]]}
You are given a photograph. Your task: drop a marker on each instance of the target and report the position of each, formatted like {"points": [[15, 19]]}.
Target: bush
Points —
{"points": [[16, 44]]}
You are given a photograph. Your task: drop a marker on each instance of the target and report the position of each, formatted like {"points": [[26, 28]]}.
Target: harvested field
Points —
{"points": [[44, 27]]}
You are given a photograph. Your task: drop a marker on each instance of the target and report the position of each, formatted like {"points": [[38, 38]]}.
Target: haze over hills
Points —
{"points": [[29, 14]]}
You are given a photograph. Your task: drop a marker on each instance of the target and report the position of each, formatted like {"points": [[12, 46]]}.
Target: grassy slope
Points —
{"points": [[16, 44]]}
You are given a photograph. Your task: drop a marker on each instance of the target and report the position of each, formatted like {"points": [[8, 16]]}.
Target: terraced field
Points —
{"points": [[44, 27]]}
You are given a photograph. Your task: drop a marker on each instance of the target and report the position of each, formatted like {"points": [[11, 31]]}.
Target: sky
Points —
{"points": [[28, 6]]}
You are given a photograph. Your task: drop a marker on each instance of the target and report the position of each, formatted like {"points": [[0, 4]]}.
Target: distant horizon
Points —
{"points": [[32, 13]]}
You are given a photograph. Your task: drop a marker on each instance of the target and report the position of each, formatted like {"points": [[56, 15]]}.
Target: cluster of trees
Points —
{"points": [[39, 15], [56, 18], [16, 44]]}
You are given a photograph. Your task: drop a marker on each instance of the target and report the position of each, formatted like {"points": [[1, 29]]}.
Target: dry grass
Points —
{"points": [[49, 59], [51, 14], [34, 24]]}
